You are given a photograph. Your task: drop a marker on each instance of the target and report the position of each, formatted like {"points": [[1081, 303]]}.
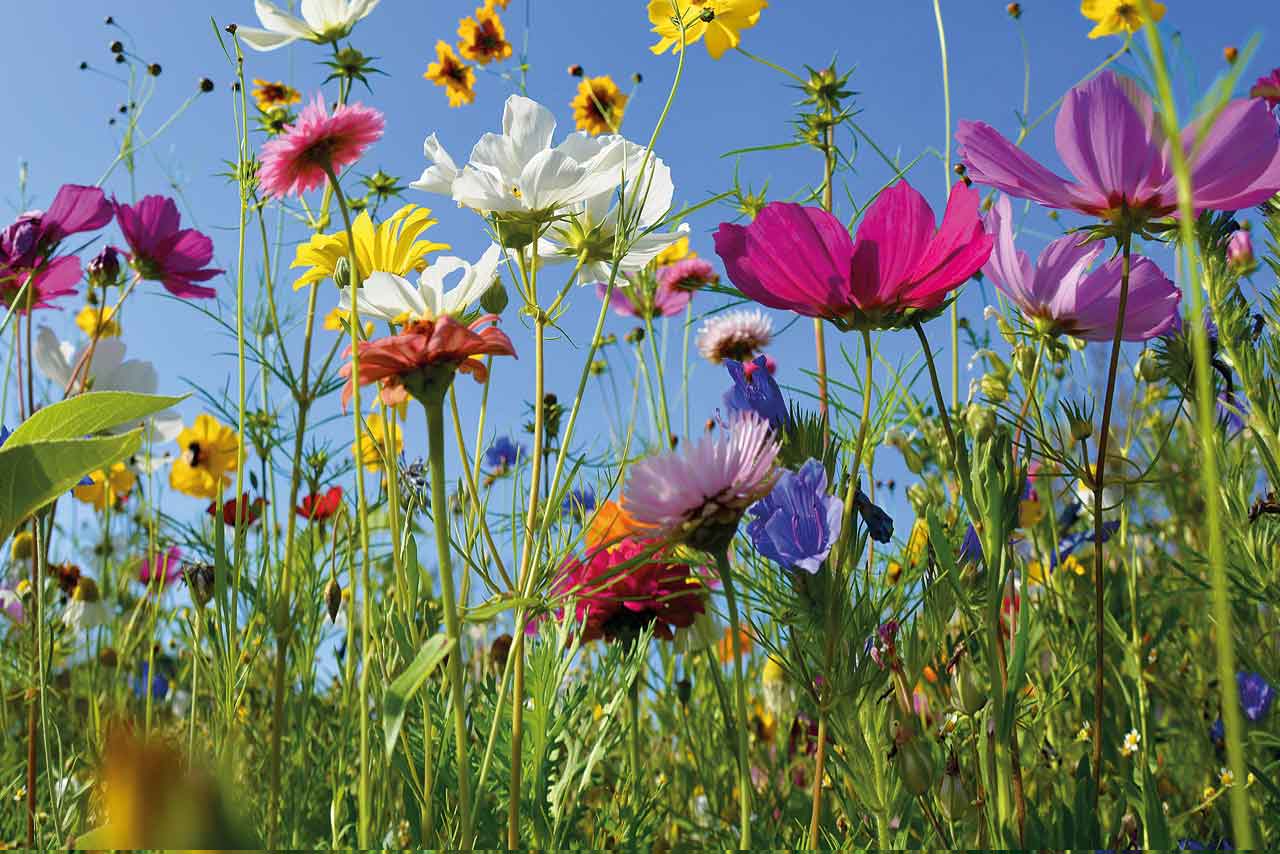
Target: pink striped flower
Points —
{"points": [[901, 265], [1059, 293], [296, 161], [1110, 138]]}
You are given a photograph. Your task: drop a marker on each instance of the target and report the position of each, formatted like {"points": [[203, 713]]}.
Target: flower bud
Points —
{"points": [[1149, 366], [342, 273], [1081, 428], [684, 690], [915, 766], [1240, 249], [23, 546], [1024, 360], [200, 581], [108, 658], [981, 422], [332, 599], [966, 693], [495, 299], [995, 387], [953, 797], [1230, 53], [1058, 351], [707, 15], [104, 269], [1014, 10]]}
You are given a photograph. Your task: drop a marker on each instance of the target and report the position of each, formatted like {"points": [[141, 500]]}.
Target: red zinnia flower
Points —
{"points": [[401, 363], [252, 510], [296, 161], [317, 506]]}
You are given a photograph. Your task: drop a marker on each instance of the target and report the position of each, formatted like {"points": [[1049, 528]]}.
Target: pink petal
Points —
{"points": [[958, 250], [899, 224], [75, 209], [1237, 164], [996, 162]]}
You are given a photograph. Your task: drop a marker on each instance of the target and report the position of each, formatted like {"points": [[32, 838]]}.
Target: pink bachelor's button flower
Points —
{"points": [[1110, 138], [698, 494], [901, 265], [162, 251], [689, 274], [1059, 294], [299, 159]]}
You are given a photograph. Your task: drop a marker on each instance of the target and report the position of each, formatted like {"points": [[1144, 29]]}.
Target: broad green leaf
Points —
{"points": [[87, 414], [32, 475], [407, 684]]}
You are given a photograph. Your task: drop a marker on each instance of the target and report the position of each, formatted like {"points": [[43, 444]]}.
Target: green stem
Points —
{"points": [[665, 428], [633, 706], [440, 518], [740, 690], [946, 180]]}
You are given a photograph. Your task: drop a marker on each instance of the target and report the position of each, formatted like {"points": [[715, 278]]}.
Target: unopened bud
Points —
{"points": [[953, 797], [1230, 53], [684, 690], [332, 599], [707, 16], [1014, 10], [495, 299], [995, 387], [1081, 428], [915, 766], [1024, 360], [342, 273], [575, 70], [104, 268], [1149, 366], [117, 47], [635, 336], [206, 85], [966, 693], [154, 69], [981, 422]]}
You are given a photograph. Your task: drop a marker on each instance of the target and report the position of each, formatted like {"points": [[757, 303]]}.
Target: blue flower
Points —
{"points": [[1231, 410], [159, 685], [879, 523], [797, 523], [1218, 732], [1071, 542], [1069, 515], [754, 390], [5, 433], [970, 547], [1256, 695], [581, 500], [502, 454]]}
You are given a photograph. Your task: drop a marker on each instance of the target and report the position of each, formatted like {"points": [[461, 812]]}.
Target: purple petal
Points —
{"points": [[75, 209], [1237, 164], [996, 162]]}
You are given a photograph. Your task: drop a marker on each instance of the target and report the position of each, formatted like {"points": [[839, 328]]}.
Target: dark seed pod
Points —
{"points": [[332, 599]]}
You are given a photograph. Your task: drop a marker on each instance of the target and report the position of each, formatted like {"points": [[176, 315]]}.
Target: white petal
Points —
{"points": [[264, 39], [134, 375], [322, 15], [484, 190], [440, 175], [477, 280], [386, 297], [529, 125], [166, 425], [52, 360], [551, 179], [496, 154], [431, 282], [107, 358]]}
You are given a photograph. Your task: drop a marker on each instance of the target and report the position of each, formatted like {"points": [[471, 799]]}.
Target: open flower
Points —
{"points": [[162, 251], [1059, 293], [163, 569], [649, 299], [209, 451], [1111, 140], [720, 22], [321, 21], [320, 506], [106, 488], [797, 523], [391, 297], [376, 429], [457, 78], [616, 593], [1256, 695], [756, 392], [503, 455], [300, 158], [98, 321], [688, 274], [29, 245], [482, 38], [698, 494], [610, 525], [269, 95], [802, 259], [1267, 88], [252, 510], [739, 335], [85, 610], [598, 106], [395, 245], [422, 359], [1117, 16]]}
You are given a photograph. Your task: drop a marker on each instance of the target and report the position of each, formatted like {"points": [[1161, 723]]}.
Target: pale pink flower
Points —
{"points": [[296, 161], [739, 335]]}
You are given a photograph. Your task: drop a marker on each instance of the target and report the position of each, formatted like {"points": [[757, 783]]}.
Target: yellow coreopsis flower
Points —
{"points": [[677, 251], [98, 320], [107, 488], [336, 321], [720, 22], [391, 247], [598, 106], [917, 542], [271, 94], [375, 433], [482, 37], [209, 451], [1112, 17], [458, 78]]}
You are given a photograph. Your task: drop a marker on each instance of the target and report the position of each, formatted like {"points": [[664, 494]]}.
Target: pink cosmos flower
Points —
{"points": [[802, 259], [295, 161], [1111, 141], [1240, 248], [28, 246], [1268, 88], [689, 274], [632, 301], [1060, 294], [162, 251], [164, 569], [699, 493]]}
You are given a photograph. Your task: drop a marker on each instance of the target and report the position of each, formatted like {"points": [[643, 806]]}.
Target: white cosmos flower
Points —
{"points": [[321, 21], [110, 371], [389, 297], [634, 203], [518, 171]]}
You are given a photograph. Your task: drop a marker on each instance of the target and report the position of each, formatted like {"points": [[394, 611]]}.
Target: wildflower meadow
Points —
{"points": [[642, 424]]}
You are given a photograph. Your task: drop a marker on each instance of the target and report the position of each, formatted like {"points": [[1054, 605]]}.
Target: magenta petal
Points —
{"points": [[899, 223], [619, 300], [996, 162], [75, 209], [1061, 268], [1237, 164], [1105, 136], [181, 285], [956, 252], [188, 250], [670, 301]]}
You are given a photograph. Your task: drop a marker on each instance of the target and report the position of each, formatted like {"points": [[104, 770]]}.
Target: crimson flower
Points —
{"points": [[160, 250], [252, 510], [320, 506], [1268, 88]]}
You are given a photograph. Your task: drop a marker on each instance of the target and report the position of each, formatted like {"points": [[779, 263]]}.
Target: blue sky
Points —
{"points": [[58, 125]]}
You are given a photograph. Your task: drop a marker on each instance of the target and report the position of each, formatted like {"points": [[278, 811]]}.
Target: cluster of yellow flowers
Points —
{"points": [[482, 39]]}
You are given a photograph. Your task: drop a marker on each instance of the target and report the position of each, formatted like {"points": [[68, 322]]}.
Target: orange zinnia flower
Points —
{"points": [[425, 354]]}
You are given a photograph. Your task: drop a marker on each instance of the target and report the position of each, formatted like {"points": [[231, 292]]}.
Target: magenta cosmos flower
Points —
{"points": [[698, 494], [1111, 141], [1268, 88], [28, 246], [162, 251], [163, 569], [902, 264], [1059, 294], [296, 161]]}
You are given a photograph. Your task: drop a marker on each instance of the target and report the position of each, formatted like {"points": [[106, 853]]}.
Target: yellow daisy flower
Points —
{"points": [[719, 21], [98, 319], [107, 488], [598, 106], [375, 431], [458, 78], [483, 38], [918, 542], [1112, 17], [391, 247], [208, 453], [677, 251], [272, 94]]}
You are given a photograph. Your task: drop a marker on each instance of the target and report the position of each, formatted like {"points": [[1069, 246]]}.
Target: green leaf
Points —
{"points": [[33, 474], [407, 684], [87, 414], [486, 611]]}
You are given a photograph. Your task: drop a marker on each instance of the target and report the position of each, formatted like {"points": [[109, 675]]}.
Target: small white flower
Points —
{"points": [[321, 21], [1225, 777], [389, 297], [1130, 745]]}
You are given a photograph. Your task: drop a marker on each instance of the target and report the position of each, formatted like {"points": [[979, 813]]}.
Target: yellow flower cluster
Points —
{"points": [[481, 39]]}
